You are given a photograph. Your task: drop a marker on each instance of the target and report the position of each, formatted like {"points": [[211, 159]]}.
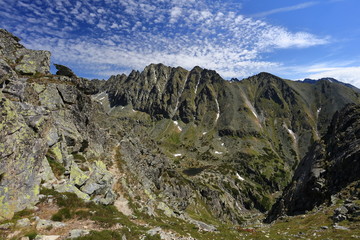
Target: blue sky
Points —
{"points": [[237, 38]]}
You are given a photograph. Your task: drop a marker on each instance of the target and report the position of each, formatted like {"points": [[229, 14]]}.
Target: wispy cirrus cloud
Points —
{"points": [[285, 9], [100, 37]]}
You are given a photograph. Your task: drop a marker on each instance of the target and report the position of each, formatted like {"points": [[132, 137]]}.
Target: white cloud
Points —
{"points": [[280, 38], [175, 14], [285, 9]]}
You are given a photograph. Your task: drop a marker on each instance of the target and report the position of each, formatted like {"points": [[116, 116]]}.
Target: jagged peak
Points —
{"points": [[117, 76], [267, 75], [134, 72], [161, 66], [197, 69], [263, 77]]}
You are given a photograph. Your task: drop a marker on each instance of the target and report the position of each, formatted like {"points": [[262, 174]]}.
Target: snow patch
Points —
{"points": [[318, 112], [239, 177], [250, 106], [177, 154], [177, 125], [204, 133], [122, 107], [218, 111], [222, 144], [216, 152], [111, 109], [197, 85], [100, 96], [290, 131]]}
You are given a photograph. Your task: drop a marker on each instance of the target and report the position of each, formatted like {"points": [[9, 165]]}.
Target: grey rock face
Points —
{"points": [[22, 223], [32, 62], [19, 179], [27, 61], [99, 184], [47, 237], [9, 44], [6, 226], [75, 233], [44, 224]]}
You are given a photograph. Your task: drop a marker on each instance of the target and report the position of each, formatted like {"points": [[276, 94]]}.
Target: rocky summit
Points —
{"points": [[169, 153]]}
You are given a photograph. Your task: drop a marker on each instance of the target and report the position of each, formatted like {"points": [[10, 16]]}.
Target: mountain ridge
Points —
{"points": [[173, 148]]}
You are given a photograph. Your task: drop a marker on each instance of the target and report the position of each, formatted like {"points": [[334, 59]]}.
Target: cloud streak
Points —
{"points": [[285, 9]]}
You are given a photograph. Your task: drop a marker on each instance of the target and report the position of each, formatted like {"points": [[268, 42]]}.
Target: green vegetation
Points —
{"points": [[62, 214], [57, 168], [106, 234], [74, 207], [118, 234], [193, 171], [78, 157], [23, 214], [31, 235]]}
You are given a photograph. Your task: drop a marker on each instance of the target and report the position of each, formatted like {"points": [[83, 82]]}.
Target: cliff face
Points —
{"points": [[329, 167]]}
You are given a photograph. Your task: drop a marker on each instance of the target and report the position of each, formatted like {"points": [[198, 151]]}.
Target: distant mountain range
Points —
{"points": [[312, 81]]}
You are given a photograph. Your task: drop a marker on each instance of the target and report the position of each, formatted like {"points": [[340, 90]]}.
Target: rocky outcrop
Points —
{"points": [[46, 119], [329, 167], [64, 71], [25, 61]]}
